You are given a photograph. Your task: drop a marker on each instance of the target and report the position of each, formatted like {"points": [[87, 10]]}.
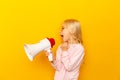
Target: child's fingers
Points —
{"points": [[47, 54]]}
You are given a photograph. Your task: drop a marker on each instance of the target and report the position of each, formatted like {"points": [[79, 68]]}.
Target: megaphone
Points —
{"points": [[33, 49]]}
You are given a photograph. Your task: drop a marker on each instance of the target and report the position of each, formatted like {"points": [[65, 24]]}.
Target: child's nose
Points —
{"points": [[61, 33]]}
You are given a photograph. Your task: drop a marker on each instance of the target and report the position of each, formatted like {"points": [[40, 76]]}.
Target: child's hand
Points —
{"points": [[50, 55], [65, 46], [47, 53]]}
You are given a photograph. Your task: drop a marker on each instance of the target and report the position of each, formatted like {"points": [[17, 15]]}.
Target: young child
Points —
{"points": [[70, 53]]}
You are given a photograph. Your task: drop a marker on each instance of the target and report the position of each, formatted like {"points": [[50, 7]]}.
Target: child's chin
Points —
{"points": [[65, 41]]}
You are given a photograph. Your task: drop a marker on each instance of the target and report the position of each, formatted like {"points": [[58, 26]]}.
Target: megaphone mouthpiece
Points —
{"points": [[52, 41]]}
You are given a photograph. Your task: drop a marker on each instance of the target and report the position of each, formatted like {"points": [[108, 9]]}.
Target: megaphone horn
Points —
{"points": [[33, 49]]}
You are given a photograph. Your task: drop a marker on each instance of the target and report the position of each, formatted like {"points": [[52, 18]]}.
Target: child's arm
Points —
{"points": [[55, 62]]}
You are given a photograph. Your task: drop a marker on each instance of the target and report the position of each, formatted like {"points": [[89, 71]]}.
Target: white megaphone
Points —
{"points": [[33, 49]]}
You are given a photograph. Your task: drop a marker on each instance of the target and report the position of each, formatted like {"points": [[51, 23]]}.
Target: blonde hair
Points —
{"points": [[74, 28]]}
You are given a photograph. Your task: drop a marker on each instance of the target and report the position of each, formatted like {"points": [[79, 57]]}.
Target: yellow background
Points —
{"points": [[29, 21]]}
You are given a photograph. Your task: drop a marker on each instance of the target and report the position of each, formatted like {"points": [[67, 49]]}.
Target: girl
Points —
{"points": [[70, 53]]}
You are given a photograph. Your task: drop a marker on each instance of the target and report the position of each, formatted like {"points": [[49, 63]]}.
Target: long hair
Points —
{"points": [[74, 28]]}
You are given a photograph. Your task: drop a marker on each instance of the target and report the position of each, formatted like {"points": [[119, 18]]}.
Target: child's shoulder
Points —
{"points": [[77, 46], [80, 45]]}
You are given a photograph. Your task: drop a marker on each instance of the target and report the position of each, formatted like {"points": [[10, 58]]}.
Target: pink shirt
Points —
{"points": [[67, 66]]}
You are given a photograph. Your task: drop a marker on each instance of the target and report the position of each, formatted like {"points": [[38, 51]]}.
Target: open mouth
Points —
{"points": [[61, 35]]}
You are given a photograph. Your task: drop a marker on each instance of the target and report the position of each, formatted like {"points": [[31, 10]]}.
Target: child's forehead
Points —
{"points": [[63, 25]]}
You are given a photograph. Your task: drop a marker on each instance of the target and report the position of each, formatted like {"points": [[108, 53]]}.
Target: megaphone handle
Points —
{"points": [[50, 56]]}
